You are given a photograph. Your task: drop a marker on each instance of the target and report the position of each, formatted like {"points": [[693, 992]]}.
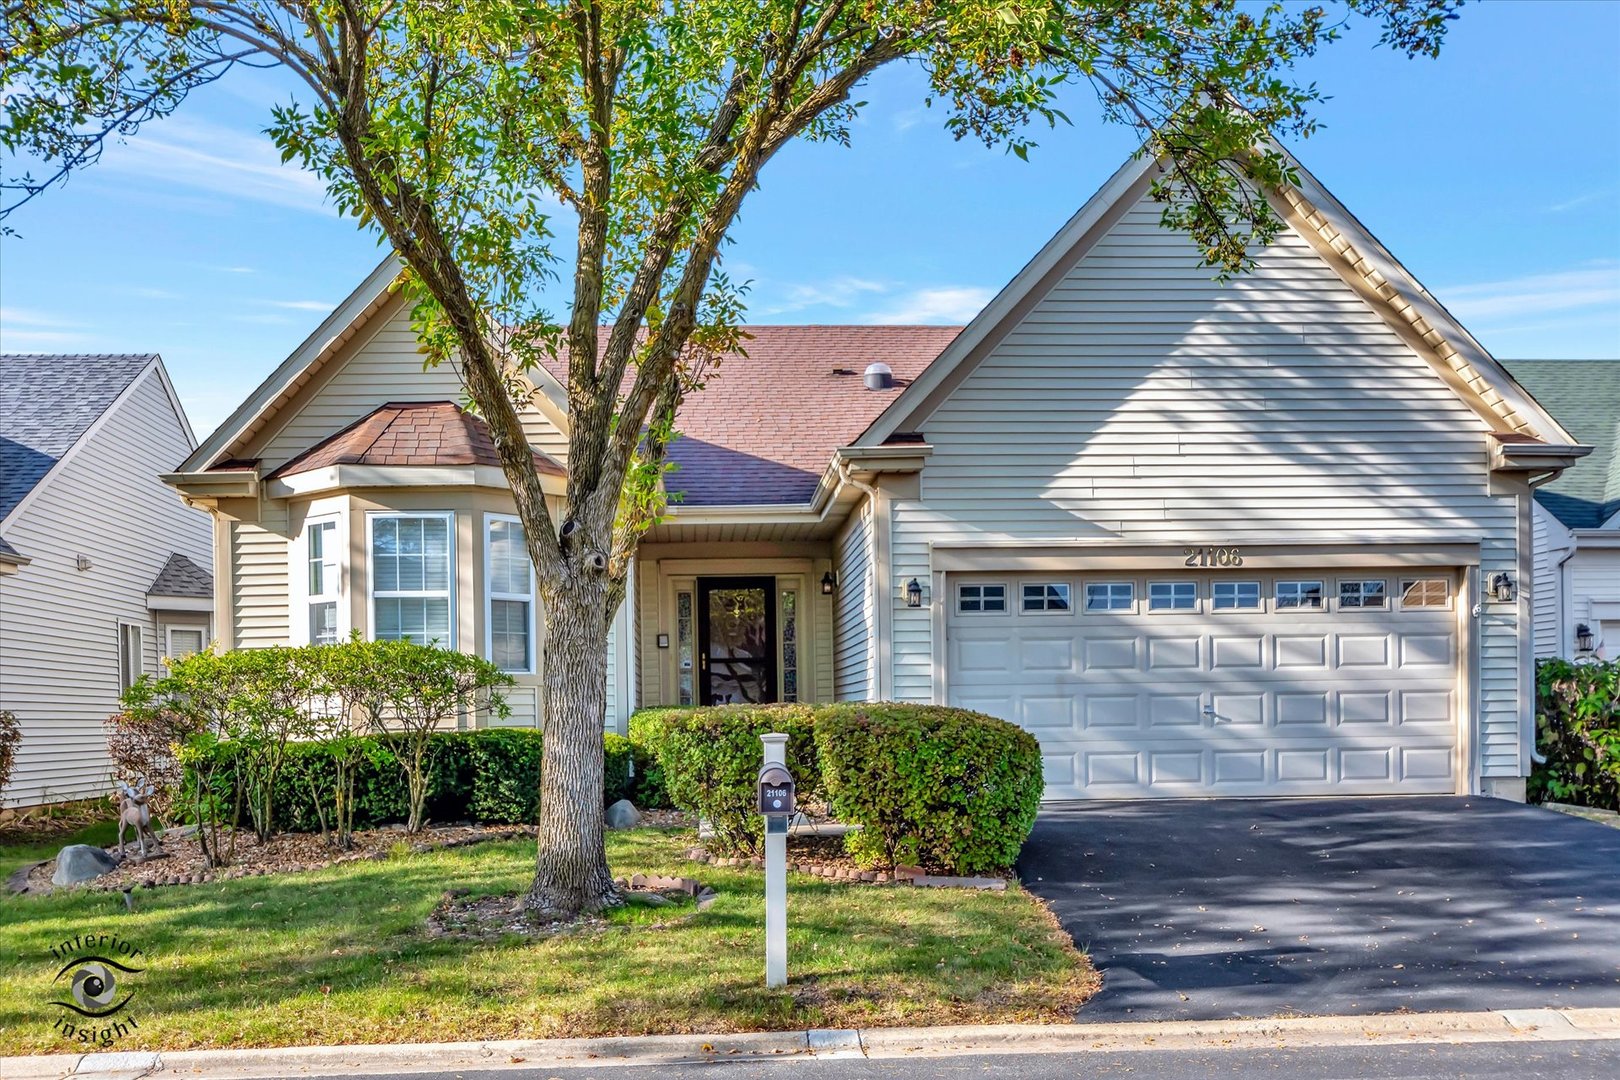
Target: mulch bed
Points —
{"points": [[825, 857], [491, 918]]}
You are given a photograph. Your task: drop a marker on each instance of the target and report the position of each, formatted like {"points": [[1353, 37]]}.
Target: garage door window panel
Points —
{"points": [[1432, 593], [981, 599], [1172, 596], [1111, 596], [1235, 596], [1363, 595], [1296, 595], [1045, 597]]}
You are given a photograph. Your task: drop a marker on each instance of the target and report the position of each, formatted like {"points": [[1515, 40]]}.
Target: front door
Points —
{"points": [[736, 640]]}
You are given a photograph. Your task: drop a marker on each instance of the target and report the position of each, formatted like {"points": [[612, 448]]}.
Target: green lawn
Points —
{"points": [[341, 955], [35, 847]]}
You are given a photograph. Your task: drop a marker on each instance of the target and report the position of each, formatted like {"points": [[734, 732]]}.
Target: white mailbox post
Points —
{"points": [[776, 803]]}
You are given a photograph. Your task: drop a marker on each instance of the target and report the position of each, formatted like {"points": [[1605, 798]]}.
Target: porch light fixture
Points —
{"points": [[913, 593], [1502, 588], [1583, 638], [828, 583]]}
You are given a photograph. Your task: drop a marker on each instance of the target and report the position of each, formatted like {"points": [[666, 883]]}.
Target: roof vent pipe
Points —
{"points": [[879, 377]]}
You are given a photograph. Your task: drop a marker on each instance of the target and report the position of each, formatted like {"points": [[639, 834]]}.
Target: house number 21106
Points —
{"points": [[1213, 556]]}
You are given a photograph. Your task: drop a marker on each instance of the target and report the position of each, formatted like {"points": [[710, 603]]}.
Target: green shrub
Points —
{"points": [[10, 736], [938, 787], [490, 776], [709, 762], [1578, 730]]}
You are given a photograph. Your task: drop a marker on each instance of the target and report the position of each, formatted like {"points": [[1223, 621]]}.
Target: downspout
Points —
{"points": [[881, 657]]}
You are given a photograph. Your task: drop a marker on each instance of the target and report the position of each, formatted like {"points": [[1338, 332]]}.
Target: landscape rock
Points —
{"points": [[78, 863], [623, 815]]}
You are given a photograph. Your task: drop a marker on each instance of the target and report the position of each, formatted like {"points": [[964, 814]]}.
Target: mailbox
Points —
{"points": [[775, 791]]}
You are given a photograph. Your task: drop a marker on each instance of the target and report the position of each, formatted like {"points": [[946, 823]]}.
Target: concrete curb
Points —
{"points": [[1517, 1025]]}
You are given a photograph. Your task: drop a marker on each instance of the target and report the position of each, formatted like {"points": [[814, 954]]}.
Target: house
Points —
{"points": [[1577, 516], [104, 571], [1268, 537]]}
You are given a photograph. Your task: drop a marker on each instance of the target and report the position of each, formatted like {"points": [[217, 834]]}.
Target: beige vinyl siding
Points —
{"points": [[383, 367], [1140, 400], [1551, 544], [855, 630], [259, 575], [59, 624]]}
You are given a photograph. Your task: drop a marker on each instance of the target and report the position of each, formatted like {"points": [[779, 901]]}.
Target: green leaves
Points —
{"points": [[1578, 730]]}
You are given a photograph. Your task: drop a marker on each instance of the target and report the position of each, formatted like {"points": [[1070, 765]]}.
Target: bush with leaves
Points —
{"points": [[144, 746], [1578, 731], [10, 737], [709, 758]]}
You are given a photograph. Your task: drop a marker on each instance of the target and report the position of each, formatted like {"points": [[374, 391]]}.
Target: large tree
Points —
{"points": [[458, 130]]}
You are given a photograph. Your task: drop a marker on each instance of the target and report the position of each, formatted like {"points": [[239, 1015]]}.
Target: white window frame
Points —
{"points": [[1173, 610], [372, 517], [1362, 583], [1044, 609], [130, 673], [490, 596], [1259, 596], [1276, 598], [1085, 598], [1402, 584], [298, 577], [1006, 597], [168, 638]]}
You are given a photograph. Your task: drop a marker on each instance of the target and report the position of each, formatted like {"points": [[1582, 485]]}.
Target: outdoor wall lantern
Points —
{"points": [[828, 583], [1583, 638], [913, 593], [1502, 587]]}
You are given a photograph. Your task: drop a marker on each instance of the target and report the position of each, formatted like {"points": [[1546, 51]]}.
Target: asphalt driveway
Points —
{"points": [[1206, 909]]}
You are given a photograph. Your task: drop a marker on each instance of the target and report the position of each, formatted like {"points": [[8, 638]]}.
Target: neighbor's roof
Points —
{"points": [[764, 427], [182, 577], [10, 554], [47, 402], [1585, 396], [409, 433]]}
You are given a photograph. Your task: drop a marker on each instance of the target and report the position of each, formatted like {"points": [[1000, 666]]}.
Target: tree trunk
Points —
{"points": [[571, 872]]}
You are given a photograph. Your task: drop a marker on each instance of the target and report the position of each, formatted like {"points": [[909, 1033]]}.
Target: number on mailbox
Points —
{"points": [[775, 791]]}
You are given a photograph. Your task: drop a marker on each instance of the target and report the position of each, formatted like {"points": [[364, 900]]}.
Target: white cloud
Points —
{"points": [[211, 157], [1535, 294], [302, 305], [1576, 202], [146, 292], [839, 292], [28, 330], [944, 304]]}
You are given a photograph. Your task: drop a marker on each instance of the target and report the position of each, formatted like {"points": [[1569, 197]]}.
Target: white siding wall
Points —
{"points": [[259, 577], [1141, 400], [58, 624], [1551, 541], [1594, 596], [855, 626], [385, 367]]}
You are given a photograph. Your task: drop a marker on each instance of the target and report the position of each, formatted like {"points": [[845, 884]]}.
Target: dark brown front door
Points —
{"points": [[736, 640]]}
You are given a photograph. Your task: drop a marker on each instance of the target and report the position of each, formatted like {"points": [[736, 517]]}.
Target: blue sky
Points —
{"points": [[1493, 173]]}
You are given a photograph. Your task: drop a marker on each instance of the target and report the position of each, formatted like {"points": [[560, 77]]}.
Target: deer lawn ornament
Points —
{"points": [[132, 811]]}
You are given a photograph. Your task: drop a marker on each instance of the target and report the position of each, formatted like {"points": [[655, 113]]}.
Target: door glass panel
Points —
{"points": [[790, 644], [738, 651]]}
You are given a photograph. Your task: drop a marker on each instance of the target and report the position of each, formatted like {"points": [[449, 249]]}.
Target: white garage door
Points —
{"points": [[1304, 683]]}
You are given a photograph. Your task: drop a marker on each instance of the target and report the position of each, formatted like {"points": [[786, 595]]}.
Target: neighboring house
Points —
{"points": [[105, 571], [1577, 526], [1262, 538]]}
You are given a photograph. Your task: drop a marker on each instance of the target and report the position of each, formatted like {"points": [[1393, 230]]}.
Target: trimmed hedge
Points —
{"points": [[943, 788], [491, 776], [708, 761], [1578, 730], [929, 785]]}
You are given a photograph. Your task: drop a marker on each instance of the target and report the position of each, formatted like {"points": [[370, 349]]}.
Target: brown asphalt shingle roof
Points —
{"points": [[409, 433], [765, 425]]}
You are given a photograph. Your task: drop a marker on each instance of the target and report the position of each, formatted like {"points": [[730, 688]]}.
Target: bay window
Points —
{"points": [[509, 595], [321, 550], [412, 577]]}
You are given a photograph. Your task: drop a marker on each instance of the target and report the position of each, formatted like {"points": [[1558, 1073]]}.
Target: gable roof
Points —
{"points": [[1585, 396], [409, 433], [182, 577], [1353, 252], [47, 403], [764, 426]]}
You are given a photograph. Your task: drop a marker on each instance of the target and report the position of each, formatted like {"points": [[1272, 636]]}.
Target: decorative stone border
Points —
{"points": [[902, 875], [18, 882], [703, 894]]}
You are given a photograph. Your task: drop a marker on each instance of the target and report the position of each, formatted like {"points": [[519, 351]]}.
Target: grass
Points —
{"points": [[341, 956], [36, 845]]}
